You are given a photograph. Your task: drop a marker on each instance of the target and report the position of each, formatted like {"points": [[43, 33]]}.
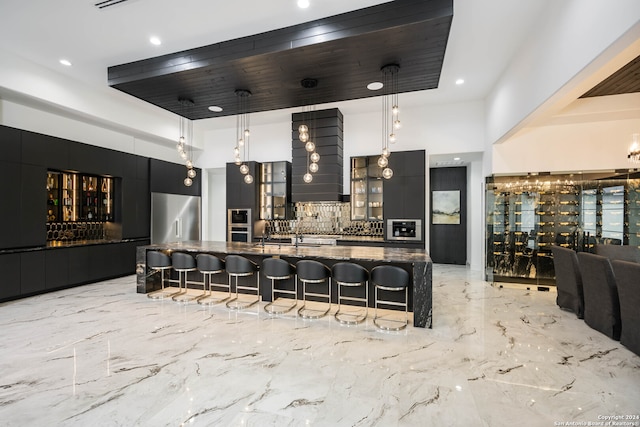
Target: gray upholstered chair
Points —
{"points": [[619, 252], [601, 303], [568, 280], [628, 281]]}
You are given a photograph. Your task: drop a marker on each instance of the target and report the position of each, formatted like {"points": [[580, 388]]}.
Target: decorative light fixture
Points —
{"points": [[241, 150], [186, 137], [390, 116], [303, 134], [634, 149]]}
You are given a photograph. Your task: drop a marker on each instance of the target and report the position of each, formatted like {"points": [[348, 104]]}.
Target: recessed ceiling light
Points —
{"points": [[456, 158], [155, 41], [65, 62], [215, 108], [375, 86], [460, 81], [303, 4]]}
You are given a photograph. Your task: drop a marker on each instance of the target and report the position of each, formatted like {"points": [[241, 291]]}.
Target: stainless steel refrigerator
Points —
{"points": [[175, 218]]}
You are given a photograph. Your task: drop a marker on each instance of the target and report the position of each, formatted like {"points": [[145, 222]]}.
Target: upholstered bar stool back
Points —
{"points": [[209, 265], [277, 269], [347, 274], [183, 263], [159, 261], [238, 266], [393, 279], [628, 282], [314, 272]]}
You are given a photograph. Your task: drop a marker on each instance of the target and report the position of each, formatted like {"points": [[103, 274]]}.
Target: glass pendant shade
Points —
{"points": [[315, 157], [188, 181], [191, 173], [387, 173], [246, 133], [310, 146], [248, 179], [383, 162], [303, 129], [304, 137], [313, 167], [240, 142], [244, 169], [183, 154], [238, 161], [189, 164], [396, 124], [395, 110], [385, 152], [392, 138], [307, 177], [236, 151]]}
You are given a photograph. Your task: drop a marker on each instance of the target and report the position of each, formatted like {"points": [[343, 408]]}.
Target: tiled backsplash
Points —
{"points": [[324, 218]]}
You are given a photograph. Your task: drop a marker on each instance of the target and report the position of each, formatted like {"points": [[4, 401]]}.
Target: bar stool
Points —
{"points": [[209, 265], [238, 266], [394, 279], [159, 261], [310, 271], [183, 264], [351, 275], [279, 269]]}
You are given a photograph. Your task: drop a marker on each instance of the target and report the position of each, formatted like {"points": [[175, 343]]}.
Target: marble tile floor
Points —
{"points": [[103, 355]]}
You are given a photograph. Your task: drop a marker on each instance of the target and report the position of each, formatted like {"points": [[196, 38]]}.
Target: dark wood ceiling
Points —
{"points": [[625, 80], [343, 52]]}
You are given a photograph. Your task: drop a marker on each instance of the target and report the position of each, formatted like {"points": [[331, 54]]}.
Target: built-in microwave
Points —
{"points": [[239, 225], [404, 229]]}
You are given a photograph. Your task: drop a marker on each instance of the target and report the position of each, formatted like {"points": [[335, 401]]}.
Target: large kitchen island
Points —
{"points": [[415, 261]]}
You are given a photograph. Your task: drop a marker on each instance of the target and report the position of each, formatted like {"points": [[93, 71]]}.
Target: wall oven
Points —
{"points": [[239, 225], [404, 229]]}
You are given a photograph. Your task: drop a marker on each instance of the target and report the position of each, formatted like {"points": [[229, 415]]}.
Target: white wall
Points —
{"points": [[572, 36]]}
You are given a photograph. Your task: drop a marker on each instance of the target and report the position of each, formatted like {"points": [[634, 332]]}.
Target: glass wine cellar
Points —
{"points": [[526, 215]]}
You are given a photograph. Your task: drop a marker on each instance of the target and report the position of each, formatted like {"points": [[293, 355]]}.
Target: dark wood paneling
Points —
{"points": [[11, 143], [343, 52], [10, 283], [327, 183], [167, 177], [448, 242], [241, 195], [625, 80]]}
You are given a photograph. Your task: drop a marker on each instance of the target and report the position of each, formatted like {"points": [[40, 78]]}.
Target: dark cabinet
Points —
{"points": [[78, 264], [56, 268], [366, 189], [32, 272], [241, 195], [46, 151], [10, 211], [10, 283], [404, 193], [136, 208], [31, 217]]}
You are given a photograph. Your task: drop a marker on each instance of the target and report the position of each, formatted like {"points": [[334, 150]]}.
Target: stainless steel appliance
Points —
{"points": [[175, 218], [404, 229], [239, 225]]}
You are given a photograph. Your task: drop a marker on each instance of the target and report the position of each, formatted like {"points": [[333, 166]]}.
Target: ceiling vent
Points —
{"points": [[447, 163], [106, 3]]}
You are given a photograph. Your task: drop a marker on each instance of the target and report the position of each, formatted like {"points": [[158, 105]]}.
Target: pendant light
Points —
{"points": [[185, 141], [303, 134], [241, 150], [390, 116]]}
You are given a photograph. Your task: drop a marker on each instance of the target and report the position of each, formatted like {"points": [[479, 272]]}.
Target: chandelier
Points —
{"points": [[241, 150], [634, 149], [185, 150], [390, 116]]}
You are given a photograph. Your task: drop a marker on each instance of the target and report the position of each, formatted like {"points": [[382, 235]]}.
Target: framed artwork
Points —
{"points": [[445, 207]]}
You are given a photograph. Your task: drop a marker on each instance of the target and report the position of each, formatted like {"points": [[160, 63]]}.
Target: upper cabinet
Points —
{"points": [[366, 189], [275, 190]]}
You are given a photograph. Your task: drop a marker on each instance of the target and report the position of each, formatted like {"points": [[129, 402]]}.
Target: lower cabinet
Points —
{"points": [[34, 272]]}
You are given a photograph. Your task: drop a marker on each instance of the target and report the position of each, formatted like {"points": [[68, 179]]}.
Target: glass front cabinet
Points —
{"points": [[526, 216], [275, 190], [366, 189], [78, 197]]}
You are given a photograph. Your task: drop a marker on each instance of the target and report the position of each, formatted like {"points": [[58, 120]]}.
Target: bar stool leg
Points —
{"points": [[235, 303], [376, 318], [273, 308], [356, 317], [304, 311]]}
